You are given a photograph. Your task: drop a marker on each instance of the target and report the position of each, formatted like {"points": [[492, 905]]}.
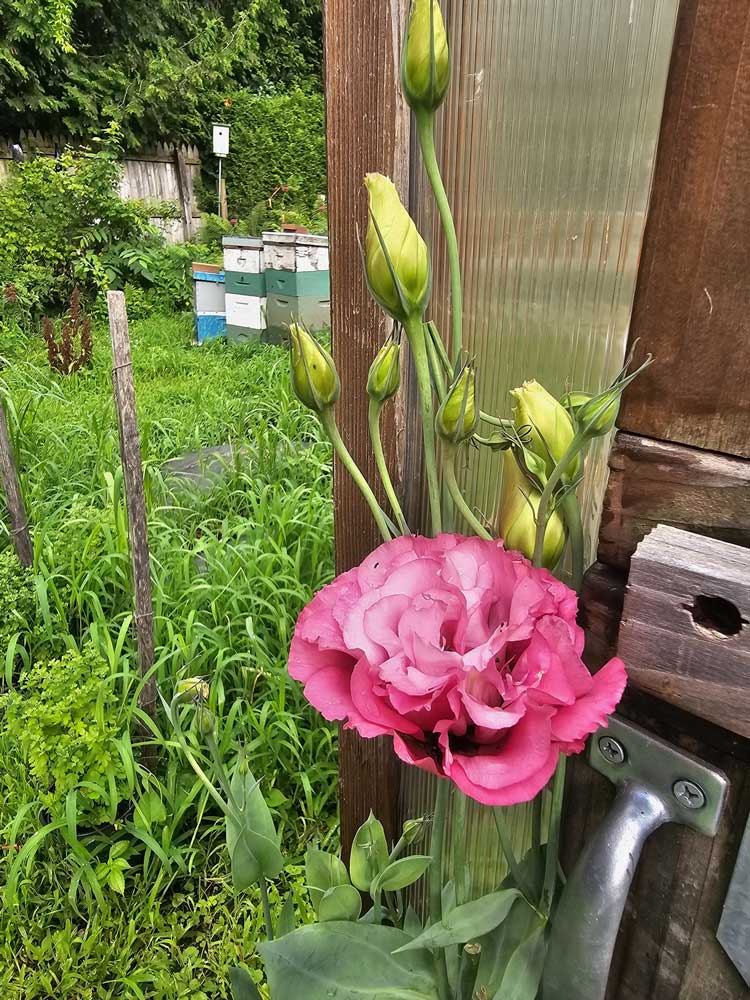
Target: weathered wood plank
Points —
{"points": [[656, 482], [11, 486], [368, 130], [692, 306], [130, 451], [685, 631]]}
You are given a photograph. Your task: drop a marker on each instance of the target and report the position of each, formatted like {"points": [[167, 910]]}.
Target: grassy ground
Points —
{"points": [[116, 883]]}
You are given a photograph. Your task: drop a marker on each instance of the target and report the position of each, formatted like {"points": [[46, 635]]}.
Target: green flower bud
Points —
{"points": [[426, 67], [314, 376], [599, 415], [396, 259], [548, 423], [413, 830], [205, 721], [191, 689], [385, 374], [458, 416], [516, 522]]}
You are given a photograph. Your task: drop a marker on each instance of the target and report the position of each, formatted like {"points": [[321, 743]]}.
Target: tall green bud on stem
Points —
{"points": [[456, 423], [516, 521], [383, 382], [397, 266], [425, 77], [317, 385]]}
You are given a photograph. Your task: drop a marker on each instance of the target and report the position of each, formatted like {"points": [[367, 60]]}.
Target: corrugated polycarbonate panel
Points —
{"points": [[547, 143]]}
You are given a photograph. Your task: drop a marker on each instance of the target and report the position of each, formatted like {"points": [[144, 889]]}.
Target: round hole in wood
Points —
{"points": [[716, 615]]}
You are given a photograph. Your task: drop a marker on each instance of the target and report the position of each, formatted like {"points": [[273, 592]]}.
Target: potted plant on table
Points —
{"points": [[464, 649]]}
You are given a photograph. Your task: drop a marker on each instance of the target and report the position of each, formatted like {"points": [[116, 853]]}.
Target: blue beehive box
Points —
{"points": [[209, 302]]}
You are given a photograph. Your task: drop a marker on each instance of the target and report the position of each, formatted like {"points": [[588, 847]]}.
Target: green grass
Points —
{"points": [[232, 567]]}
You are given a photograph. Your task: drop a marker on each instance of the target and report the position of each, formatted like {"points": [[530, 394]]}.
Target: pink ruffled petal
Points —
{"points": [[373, 708], [508, 795], [575, 722], [412, 752]]}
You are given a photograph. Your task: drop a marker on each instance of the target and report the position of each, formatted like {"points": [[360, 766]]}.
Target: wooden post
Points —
{"points": [[368, 130], [19, 524], [185, 186], [130, 451]]}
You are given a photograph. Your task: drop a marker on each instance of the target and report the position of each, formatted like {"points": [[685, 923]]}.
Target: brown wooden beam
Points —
{"points": [[368, 130], [692, 305]]}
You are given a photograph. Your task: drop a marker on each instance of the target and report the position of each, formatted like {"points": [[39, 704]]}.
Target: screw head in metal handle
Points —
{"points": [[688, 794], [612, 750]]}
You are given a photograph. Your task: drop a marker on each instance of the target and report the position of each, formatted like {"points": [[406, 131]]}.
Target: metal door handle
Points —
{"points": [[657, 784]]}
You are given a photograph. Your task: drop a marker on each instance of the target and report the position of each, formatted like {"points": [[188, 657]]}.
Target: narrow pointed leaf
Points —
{"points": [[524, 972], [399, 874], [468, 922]]}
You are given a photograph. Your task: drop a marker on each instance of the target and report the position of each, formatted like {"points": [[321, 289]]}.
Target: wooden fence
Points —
{"points": [[164, 174]]}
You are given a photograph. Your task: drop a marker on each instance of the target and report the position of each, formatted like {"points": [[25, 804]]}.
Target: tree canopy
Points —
{"points": [[160, 68]]}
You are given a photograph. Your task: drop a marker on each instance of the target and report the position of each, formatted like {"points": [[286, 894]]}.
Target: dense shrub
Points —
{"points": [[57, 218], [17, 602], [64, 718], [277, 141]]}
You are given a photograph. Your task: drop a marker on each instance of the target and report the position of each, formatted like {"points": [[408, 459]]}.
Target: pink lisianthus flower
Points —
{"points": [[462, 652]]}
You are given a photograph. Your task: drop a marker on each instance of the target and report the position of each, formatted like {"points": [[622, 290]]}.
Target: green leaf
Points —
{"points": [[348, 961], [499, 946], [369, 854], [342, 902], [524, 972], [286, 922], [412, 923], [323, 871], [399, 874], [468, 922], [251, 835], [243, 987]]}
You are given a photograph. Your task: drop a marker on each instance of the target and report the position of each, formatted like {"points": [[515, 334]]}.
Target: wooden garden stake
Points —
{"points": [[130, 451], [19, 523]]}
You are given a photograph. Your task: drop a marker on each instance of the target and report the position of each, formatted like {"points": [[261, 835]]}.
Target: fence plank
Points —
{"points": [[19, 524], [368, 130], [130, 451]]}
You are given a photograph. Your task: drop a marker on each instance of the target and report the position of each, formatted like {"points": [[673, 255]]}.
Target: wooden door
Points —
{"points": [[682, 457]]}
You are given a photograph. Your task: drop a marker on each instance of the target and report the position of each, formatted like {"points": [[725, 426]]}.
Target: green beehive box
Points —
{"points": [[242, 283], [299, 284]]}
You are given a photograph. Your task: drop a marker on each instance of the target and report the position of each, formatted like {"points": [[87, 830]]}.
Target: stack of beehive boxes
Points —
{"points": [[273, 282], [297, 282], [208, 300], [245, 288]]}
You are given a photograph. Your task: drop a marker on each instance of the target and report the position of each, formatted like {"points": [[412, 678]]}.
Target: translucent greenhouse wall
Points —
{"points": [[548, 144]]}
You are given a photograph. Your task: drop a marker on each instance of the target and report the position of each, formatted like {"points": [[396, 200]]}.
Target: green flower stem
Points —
{"points": [[460, 803], [442, 798], [221, 773], [553, 841], [536, 821], [266, 909], [416, 334], [556, 475], [385, 477], [449, 478], [426, 132], [328, 421], [571, 511], [510, 857], [436, 368]]}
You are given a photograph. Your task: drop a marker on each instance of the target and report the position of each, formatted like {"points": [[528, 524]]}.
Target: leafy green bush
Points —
{"points": [[57, 218], [17, 601], [64, 716], [277, 141]]}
